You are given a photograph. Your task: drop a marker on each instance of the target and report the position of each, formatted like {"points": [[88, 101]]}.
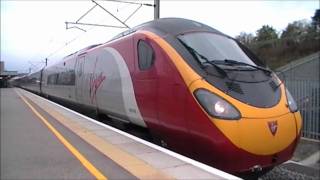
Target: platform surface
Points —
{"points": [[43, 140]]}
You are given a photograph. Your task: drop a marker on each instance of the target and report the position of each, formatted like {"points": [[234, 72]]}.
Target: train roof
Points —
{"points": [[176, 26], [82, 50], [163, 26], [172, 26]]}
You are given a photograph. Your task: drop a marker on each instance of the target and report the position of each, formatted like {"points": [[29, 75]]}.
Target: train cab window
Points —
{"points": [[145, 55]]}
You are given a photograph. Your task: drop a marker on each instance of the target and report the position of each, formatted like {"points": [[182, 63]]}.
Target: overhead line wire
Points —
{"points": [[95, 25]]}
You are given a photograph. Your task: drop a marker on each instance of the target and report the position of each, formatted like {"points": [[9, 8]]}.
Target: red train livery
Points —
{"points": [[198, 91]]}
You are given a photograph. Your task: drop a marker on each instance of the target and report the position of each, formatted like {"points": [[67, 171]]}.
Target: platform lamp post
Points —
{"points": [[156, 9]]}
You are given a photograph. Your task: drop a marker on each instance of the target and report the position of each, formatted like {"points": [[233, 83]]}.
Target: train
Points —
{"points": [[198, 91]]}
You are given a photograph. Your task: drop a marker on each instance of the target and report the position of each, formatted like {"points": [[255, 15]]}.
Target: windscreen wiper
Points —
{"points": [[229, 61], [196, 54]]}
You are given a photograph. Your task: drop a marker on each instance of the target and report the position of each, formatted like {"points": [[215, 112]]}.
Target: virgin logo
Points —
{"points": [[95, 83], [273, 127]]}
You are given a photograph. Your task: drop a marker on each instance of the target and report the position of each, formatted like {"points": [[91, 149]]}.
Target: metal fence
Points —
{"points": [[302, 79]]}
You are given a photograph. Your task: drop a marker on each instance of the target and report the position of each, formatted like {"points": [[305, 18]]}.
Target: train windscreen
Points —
{"points": [[218, 48]]}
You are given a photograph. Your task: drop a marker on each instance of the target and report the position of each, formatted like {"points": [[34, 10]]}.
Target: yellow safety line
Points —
{"points": [[90, 167], [134, 165]]}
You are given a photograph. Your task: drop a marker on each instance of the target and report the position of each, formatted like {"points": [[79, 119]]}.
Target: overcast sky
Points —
{"points": [[34, 30]]}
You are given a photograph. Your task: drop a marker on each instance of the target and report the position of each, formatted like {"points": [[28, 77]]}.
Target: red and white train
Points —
{"points": [[199, 91]]}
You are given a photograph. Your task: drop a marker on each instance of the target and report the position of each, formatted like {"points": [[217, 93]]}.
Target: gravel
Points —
{"points": [[292, 171]]}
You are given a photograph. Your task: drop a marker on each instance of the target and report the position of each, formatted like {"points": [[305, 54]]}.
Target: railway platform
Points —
{"points": [[43, 140]]}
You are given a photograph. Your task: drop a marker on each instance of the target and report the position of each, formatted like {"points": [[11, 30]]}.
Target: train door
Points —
{"points": [[79, 79], [146, 81]]}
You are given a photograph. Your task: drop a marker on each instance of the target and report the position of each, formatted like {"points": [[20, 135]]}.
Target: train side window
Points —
{"points": [[145, 55], [66, 78], [52, 79]]}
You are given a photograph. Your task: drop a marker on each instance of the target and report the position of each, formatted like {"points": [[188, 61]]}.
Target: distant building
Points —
{"points": [[1, 67], [5, 75]]}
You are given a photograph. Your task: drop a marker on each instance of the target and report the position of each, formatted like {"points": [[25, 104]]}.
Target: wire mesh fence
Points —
{"points": [[302, 79]]}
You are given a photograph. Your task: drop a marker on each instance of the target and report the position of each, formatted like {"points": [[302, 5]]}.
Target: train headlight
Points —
{"points": [[219, 107], [291, 103], [215, 106]]}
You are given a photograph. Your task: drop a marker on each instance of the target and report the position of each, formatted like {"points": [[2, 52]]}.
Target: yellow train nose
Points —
{"points": [[262, 136], [260, 131]]}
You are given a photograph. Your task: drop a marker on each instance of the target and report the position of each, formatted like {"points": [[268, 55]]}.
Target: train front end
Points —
{"points": [[239, 116], [254, 121]]}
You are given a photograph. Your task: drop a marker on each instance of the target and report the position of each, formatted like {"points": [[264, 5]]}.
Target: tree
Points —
{"points": [[316, 19], [298, 39], [245, 38], [265, 33], [296, 30]]}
